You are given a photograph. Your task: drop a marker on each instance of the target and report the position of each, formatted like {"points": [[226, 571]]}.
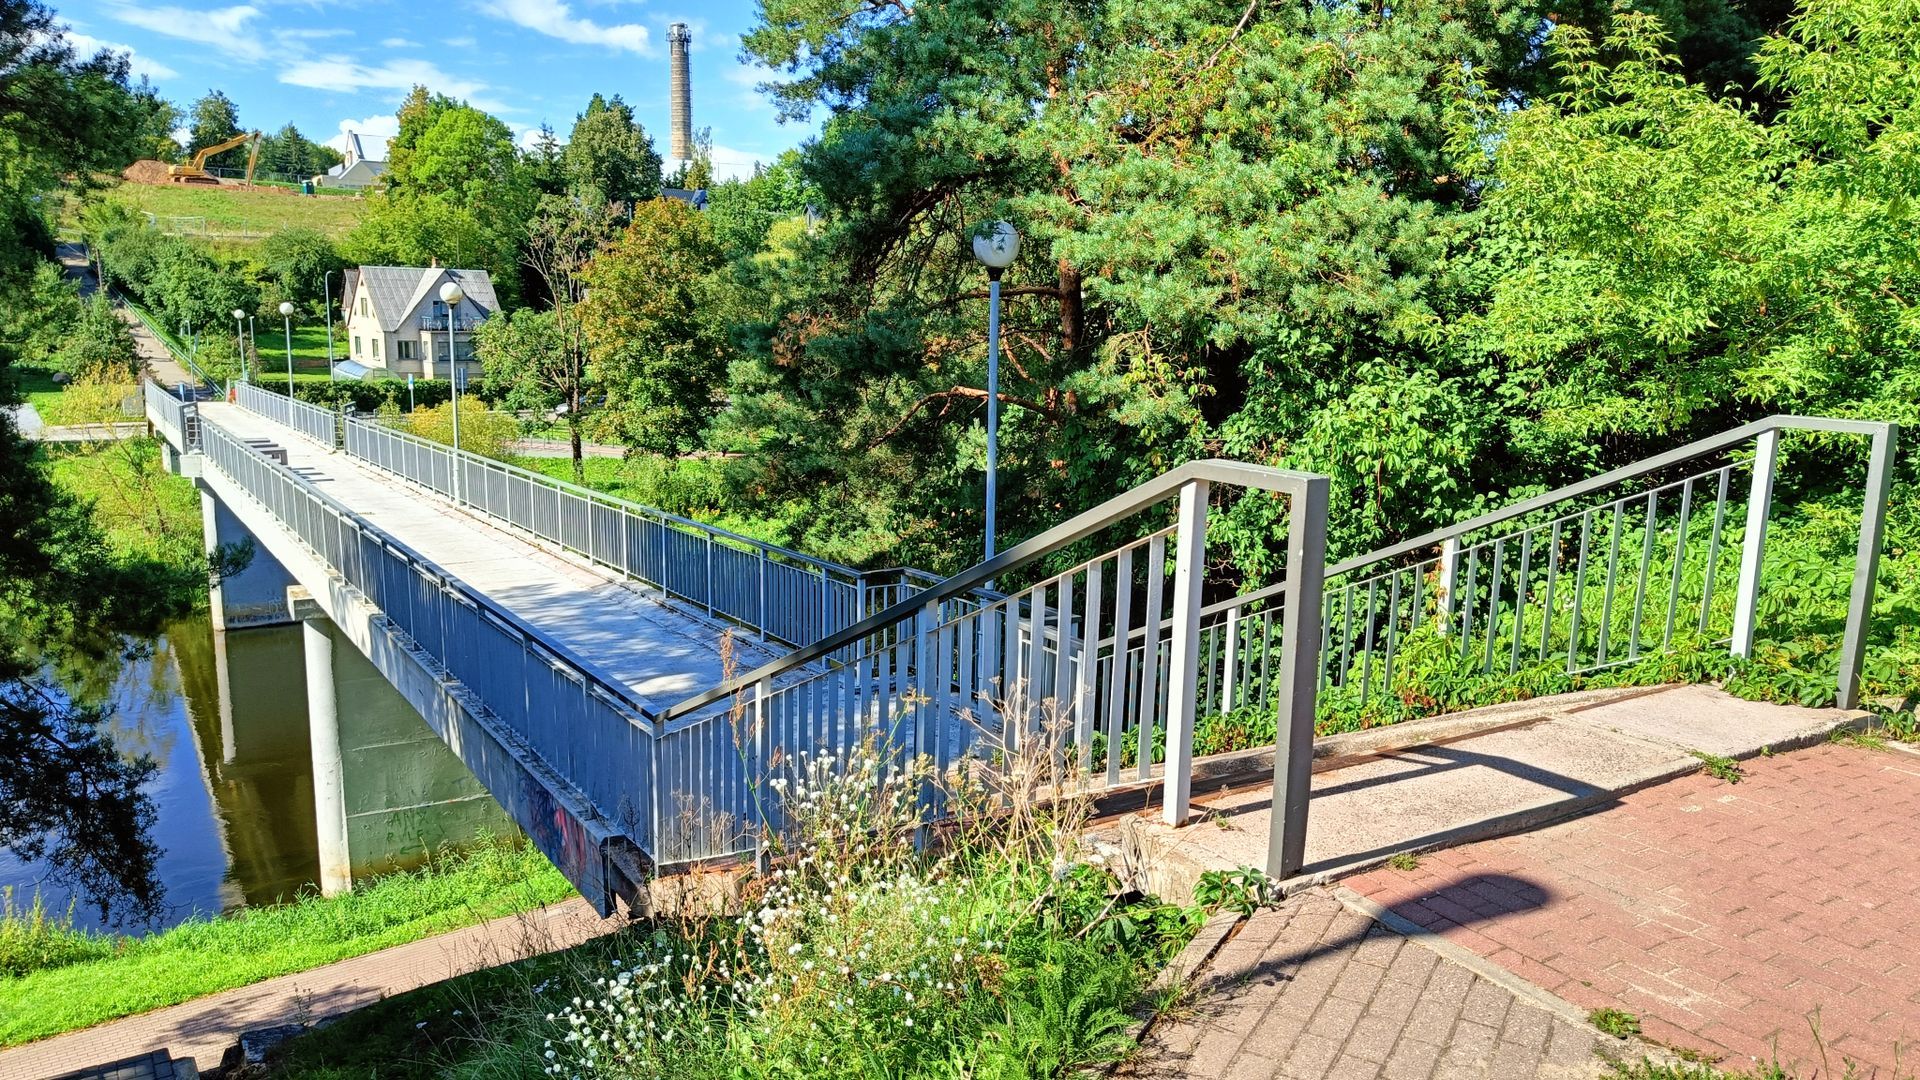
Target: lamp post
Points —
{"points": [[326, 291], [451, 296], [286, 313], [995, 249], [240, 339]]}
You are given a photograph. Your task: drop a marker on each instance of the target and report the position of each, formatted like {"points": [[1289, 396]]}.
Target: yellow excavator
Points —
{"points": [[195, 171]]}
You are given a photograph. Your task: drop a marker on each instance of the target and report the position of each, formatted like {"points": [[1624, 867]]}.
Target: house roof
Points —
{"points": [[397, 291]]}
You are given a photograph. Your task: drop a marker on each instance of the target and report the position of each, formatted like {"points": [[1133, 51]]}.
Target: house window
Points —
{"points": [[404, 350], [363, 305], [356, 345], [376, 348]]}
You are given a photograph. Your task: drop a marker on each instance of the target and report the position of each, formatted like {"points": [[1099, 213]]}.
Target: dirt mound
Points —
{"points": [[147, 172]]}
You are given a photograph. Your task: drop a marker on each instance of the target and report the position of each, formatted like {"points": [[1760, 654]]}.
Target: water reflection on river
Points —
{"points": [[224, 715]]}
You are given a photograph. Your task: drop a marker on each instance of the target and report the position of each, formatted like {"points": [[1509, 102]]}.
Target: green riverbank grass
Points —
{"points": [[103, 977]]}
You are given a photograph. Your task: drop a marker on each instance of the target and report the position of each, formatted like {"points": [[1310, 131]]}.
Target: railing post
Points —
{"points": [[709, 573], [826, 604], [1746, 595], [1231, 673], [1449, 578], [1189, 578], [761, 756], [1299, 679], [1866, 565]]}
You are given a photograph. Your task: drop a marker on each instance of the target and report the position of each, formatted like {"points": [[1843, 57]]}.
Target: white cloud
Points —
{"points": [[557, 20], [529, 136], [223, 30], [460, 43], [374, 131], [87, 45], [732, 164], [342, 74], [398, 43], [183, 136]]}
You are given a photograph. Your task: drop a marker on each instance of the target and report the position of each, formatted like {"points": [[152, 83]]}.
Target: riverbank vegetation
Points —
{"points": [[55, 978], [1003, 950]]}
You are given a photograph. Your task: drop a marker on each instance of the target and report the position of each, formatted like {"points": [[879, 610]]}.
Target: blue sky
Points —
{"points": [[330, 65]]}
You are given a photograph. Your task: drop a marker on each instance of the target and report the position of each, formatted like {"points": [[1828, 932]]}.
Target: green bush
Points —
{"points": [[33, 940]]}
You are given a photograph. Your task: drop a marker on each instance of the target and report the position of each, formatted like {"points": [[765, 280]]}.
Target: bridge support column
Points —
{"points": [[323, 724], [257, 595]]}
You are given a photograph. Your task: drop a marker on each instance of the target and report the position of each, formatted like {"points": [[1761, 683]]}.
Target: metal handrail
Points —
{"points": [[605, 499], [1698, 448], [1079, 527], [1501, 611]]}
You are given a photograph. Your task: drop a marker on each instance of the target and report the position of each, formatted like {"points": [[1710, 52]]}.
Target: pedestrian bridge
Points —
{"points": [[626, 682]]}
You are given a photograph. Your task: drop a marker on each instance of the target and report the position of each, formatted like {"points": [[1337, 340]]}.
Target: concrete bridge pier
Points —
{"points": [[257, 595], [323, 726]]}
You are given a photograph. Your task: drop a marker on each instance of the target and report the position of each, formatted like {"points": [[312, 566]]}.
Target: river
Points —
{"points": [[224, 716]]}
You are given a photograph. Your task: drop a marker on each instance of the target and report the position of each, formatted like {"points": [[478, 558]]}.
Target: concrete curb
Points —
{"points": [[1207, 941]]}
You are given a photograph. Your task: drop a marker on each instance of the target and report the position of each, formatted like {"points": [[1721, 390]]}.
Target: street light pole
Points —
{"points": [[451, 295], [326, 291], [286, 313], [240, 339], [995, 250]]}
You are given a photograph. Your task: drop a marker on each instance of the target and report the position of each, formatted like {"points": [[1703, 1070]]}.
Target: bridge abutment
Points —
{"points": [[257, 595]]}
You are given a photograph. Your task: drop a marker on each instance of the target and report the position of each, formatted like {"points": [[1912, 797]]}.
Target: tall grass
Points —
{"points": [[62, 979], [32, 939], [998, 949]]}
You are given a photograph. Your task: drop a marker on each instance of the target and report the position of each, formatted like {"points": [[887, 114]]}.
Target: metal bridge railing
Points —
{"points": [[778, 593], [1587, 577], [178, 420], [320, 425], [580, 720], [965, 685]]}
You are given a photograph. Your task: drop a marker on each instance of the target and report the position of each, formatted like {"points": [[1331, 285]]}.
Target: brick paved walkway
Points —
{"points": [[202, 1029], [1311, 989], [1724, 915]]}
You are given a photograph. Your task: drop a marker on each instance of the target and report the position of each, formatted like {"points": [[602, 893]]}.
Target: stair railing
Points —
{"points": [[963, 685], [1579, 579]]}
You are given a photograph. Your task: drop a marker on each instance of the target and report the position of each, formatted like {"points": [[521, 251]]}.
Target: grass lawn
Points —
{"points": [[309, 349], [245, 214], [38, 388], [107, 977], [143, 509]]}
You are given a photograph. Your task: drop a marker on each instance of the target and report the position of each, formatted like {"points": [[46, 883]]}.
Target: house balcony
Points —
{"points": [[461, 323]]}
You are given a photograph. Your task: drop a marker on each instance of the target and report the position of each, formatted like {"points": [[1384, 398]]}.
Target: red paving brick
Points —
{"points": [[1727, 916]]}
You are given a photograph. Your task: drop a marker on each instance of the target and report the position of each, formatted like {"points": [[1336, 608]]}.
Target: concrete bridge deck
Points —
{"points": [[659, 648]]}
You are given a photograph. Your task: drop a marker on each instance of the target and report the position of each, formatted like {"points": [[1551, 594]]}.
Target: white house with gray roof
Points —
{"points": [[397, 322], [356, 170]]}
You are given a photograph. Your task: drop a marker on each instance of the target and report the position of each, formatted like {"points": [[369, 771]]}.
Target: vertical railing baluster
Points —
{"points": [[1520, 598], [1084, 702], [1393, 634], [1613, 566], [1579, 593], [1117, 681], [1493, 603], [1466, 600], [1189, 583], [1679, 560], [1713, 549], [1150, 651], [1646, 561], [1230, 686], [1366, 647], [1553, 574]]}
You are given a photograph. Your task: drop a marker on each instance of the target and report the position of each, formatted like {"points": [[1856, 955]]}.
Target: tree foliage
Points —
{"points": [[658, 348], [609, 156]]}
